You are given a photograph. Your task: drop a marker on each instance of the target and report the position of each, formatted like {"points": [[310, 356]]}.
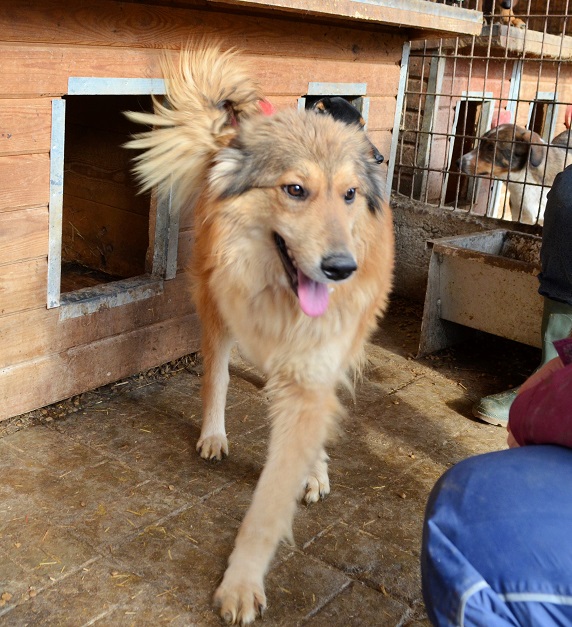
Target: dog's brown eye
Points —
{"points": [[295, 191], [350, 195]]}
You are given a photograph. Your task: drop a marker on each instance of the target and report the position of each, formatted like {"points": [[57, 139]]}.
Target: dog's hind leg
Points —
{"points": [[215, 346], [301, 422]]}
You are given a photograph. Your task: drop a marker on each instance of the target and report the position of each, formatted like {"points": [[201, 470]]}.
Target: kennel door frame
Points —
{"points": [[434, 90], [166, 227], [359, 91], [551, 99], [494, 209], [487, 99]]}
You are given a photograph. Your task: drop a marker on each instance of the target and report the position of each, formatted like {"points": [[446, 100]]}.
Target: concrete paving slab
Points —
{"points": [[109, 517], [303, 586], [359, 604]]}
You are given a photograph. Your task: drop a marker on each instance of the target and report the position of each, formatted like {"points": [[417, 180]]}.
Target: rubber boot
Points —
{"points": [[556, 324]]}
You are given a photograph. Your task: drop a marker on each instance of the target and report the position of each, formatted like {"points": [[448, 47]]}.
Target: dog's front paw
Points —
{"points": [[240, 603], [317, 485], [213, 447]]}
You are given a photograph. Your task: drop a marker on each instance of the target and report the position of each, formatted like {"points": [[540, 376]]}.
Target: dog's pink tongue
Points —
{"points": [[313, 296]]}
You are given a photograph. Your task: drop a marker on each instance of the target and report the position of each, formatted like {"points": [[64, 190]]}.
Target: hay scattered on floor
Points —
{"points": [[60, 410]]}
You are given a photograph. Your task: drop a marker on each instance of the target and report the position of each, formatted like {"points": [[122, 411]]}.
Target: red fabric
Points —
{"points": [[266, 107], [543, 413]]}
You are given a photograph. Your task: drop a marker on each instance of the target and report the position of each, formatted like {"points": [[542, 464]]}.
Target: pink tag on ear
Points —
{"points": [[266, 107], [502, 116], [568, 116]]}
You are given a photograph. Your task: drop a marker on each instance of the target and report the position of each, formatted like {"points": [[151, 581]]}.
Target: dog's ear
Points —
{"points": [[373, 188], [322, 105], [233, 172], [537, 147]]}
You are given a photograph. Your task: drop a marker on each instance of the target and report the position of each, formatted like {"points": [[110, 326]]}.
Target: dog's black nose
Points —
{"points": [[458, 163], [338, 266]]}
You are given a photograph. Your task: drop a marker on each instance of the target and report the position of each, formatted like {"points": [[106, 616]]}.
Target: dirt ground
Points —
{"points": [[109, 517]]}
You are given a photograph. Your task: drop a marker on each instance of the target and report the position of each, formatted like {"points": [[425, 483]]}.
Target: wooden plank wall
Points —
{"points": [[42, 44]]}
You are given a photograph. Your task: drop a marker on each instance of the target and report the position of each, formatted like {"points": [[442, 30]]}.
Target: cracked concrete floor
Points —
{"points": [[108, 516]]}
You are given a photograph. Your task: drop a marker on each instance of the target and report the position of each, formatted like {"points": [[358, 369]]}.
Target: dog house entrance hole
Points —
{"points": [[108, 244], [354, 93], [356, 101], [538, 117], [542, 117], [105, 223], [469, 116]]}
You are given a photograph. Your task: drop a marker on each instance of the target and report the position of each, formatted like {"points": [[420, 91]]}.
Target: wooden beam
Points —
{"points": [[410, 14], [27, 70], [31, 334], [49, 379], [23, 285], [153, 25], [23, 234], [25, 181], [499, 40], [25, 126]]}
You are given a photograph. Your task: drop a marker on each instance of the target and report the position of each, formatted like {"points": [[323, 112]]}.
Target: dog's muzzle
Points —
{"points": [[313, 295]]}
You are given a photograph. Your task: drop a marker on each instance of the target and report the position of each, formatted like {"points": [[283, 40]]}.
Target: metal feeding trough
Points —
{"points": [[485, 281]]}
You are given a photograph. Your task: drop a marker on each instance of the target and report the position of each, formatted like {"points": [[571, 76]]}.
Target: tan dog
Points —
{"points": [[293, 258], [507, 14], [520, 157]]}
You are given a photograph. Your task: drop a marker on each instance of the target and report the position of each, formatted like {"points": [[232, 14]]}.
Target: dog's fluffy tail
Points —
{"points": [[208, 91]]}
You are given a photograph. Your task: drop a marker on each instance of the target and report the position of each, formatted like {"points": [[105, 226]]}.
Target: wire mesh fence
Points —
{"points": [[485, 120]]}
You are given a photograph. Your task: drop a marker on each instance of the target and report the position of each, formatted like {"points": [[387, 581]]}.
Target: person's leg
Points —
{"points": [[556, 324], [497, 547], [555, 284]]}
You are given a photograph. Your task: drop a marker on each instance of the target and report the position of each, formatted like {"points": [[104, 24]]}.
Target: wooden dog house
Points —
{"points": [[93, 285]]}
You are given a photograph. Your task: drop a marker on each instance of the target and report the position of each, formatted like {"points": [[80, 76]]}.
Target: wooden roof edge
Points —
{"points": [[416, 16], [502, 41]]}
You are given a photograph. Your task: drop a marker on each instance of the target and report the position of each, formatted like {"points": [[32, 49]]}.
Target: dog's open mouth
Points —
{"points": [[312, 295]]}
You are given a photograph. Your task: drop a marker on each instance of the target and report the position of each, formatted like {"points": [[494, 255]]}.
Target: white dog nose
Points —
{"points": [[338, 266]]}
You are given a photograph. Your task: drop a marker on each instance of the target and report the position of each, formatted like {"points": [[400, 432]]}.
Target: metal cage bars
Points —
{"points": [[456, 89]]}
